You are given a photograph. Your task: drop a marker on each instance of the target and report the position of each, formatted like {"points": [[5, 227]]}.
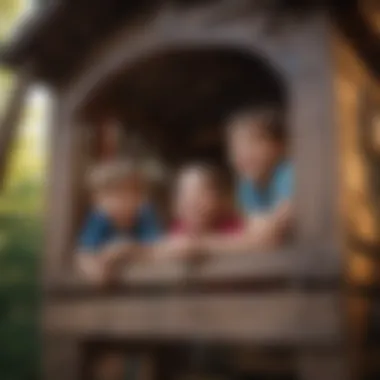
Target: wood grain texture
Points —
{"points": [[327, 366], [65, 189], [62, 358], [264, 319]]}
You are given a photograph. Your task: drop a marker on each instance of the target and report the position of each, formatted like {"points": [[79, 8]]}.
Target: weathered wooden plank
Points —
{"points": [[314, 149], [255, 360], [65, 189], [241, 27], [263, 319], [281, 267], [62, 358], [326, 366], [264, 265]]}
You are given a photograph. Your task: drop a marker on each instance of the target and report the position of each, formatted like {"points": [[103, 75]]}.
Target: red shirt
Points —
{"points": [[229, 225]]}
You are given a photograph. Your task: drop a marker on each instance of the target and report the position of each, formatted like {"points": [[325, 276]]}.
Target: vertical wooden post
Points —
{"points": [[62, 355], [65, 187], [62, 358], [316, 158]]}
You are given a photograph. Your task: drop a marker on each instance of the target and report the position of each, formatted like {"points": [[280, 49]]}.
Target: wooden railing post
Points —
{"points": [[62, 358]]}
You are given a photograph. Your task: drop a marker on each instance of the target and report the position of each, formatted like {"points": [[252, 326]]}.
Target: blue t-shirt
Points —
{"points": [[99, 230], [252, 198]]}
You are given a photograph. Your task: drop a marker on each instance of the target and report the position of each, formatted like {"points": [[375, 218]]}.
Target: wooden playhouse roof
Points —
{"points": [[57, 38]]}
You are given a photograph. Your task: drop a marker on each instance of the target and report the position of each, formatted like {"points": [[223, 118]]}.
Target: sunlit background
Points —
{"points": [[20, 221]]}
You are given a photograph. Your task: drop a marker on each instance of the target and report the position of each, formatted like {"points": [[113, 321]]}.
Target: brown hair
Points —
{"points": [[268, 119]]}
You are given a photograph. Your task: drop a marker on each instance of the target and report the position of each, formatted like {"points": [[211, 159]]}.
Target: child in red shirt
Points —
{"points": [[203, 202]]}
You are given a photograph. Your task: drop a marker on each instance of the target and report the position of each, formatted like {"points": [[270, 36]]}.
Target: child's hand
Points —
{"points": [[178, 246], [184, 246], [117, 253], [94, 271], [109, 262]]}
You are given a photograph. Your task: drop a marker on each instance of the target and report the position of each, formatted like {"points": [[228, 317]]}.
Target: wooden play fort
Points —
{"points": [[164, 75]]}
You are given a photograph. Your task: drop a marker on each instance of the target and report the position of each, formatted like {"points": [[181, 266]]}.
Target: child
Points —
{"points": [[257, 152], [202, 206], [202, 202], [120, 217]]}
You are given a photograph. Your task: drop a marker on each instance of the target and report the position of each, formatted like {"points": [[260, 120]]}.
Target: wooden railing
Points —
{"points": [[204, 301], [283, 266]]}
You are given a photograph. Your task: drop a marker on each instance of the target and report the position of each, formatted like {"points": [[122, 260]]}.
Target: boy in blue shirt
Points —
{"points": [[121, 217], [256, 141]]}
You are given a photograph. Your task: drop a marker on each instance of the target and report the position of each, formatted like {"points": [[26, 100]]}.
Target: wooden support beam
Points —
{"points": [[260, 270], [67, 164], [270, 319], [11, 118]]}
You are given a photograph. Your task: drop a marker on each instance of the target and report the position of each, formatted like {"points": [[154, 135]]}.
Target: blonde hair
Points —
{"points": [[112, 173]]}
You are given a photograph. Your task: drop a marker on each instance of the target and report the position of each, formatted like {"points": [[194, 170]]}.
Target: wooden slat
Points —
{"points": [[67, 161], [62, 358], [326, 366], [264, 319], [257, 266], [241, 28], [264, 265], [255, 360], [314, 143], [280, 267]]}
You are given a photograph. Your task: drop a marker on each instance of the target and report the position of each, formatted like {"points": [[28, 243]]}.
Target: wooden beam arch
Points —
{"points": [[170, 30]]}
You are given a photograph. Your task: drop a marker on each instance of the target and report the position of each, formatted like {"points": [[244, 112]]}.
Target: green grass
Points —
{"points": [[20, 247]]}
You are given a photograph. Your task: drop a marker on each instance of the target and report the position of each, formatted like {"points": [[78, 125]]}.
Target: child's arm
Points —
{"points": [[173, 246], [265, 231], [86, 264], [271, 229], [104, 265], [93, 268], [91, 247], [262, 233]]}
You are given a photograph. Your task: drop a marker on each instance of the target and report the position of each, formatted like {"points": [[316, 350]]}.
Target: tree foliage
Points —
{"points": [[20, 236]]}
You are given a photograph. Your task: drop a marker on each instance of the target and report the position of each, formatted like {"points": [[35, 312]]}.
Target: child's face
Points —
{"points": [[198, 202], [252, 153], [121, 202]]}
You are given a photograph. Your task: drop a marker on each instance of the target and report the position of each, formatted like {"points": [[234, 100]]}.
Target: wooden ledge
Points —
{"points": [[284, 318], [240, 269]]}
